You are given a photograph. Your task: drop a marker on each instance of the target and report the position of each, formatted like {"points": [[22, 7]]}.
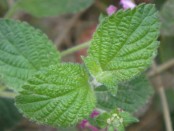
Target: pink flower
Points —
{"points": [[94, 114], [111, 10], [84, 123], [127, 4]]}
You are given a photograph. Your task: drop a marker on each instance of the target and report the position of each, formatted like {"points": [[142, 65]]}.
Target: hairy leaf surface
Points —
{"points": [[60, 96], [42, 8], [131, 96], [23, 51], [124, 44]]}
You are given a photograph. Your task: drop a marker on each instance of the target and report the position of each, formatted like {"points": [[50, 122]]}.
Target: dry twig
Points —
{"points": [[160, 89]]}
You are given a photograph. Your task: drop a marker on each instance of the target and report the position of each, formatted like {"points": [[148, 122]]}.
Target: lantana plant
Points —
{"points": [[110, 84]]}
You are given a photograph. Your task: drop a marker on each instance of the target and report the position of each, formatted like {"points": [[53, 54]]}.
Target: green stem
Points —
{"points": [[74, 49], [6, 94], [12, 11]]}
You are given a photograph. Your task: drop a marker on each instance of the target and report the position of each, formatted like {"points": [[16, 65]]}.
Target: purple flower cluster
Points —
{"points": [[85, 123], [126, 4], [111, 10]]}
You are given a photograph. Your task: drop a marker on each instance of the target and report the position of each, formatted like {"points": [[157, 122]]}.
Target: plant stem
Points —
{"points": [[161, 68], [165, 109], [160, 89], [75, 48], [67, 28], [7, 94], [11, 11]]}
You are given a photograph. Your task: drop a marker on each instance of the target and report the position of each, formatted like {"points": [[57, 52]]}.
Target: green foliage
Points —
{"points": [[24, 50], [63, 94], [42, 8], [124, 45], [59, 96], [101, 120], [9, 115], [131, 95], [116, 119], [166, 52], [167, 18]]}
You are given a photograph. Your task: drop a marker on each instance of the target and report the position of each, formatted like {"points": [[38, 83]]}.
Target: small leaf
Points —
{"points": [[24, 50], [101, 120], [42, 8], [129, 96], [128, 118], [116, 119], [124, 45], [120, 128], [60, 96]]}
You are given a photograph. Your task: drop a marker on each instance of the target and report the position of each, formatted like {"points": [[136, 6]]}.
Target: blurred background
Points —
{"points": [[68, 30]]}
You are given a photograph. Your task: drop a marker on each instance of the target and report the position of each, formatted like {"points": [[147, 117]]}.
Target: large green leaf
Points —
{"points": [[167, 18], [124, 44], [23, 51], [131, 95], [60, 96], [42, 8]]}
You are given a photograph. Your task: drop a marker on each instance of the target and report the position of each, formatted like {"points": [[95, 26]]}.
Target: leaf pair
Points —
{"points": [[60, 95], [56, 95]]}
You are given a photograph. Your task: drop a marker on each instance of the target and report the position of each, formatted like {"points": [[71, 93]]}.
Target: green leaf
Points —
{"points": [[120, 128], [116, 119], [124, 45], [129, 96], [60, 96], [128, 118], [9, 114], [24, 50], [42, 8], [167, 18], [101, 120]]}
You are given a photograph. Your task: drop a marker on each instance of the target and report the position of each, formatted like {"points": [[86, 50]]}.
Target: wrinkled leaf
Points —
{"points": [[24, 50], [131, 95], [124, 45], [60, 96]]}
